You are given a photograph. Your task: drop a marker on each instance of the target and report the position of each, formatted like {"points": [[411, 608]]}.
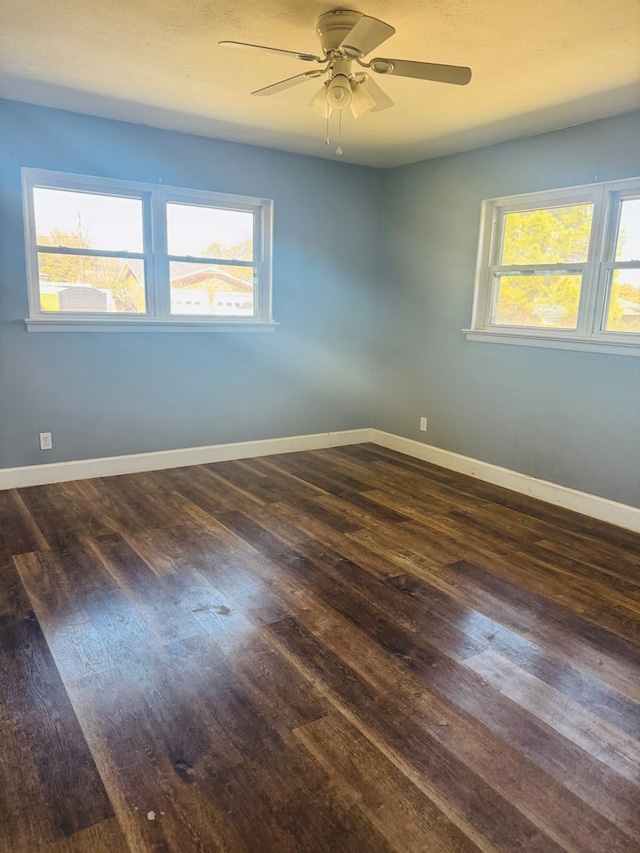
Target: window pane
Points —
{"points": [[628, 239], [78, 220], [547, 301], [91, 284], [623, 314], [211, 290], [209, 232], [557, 235]]}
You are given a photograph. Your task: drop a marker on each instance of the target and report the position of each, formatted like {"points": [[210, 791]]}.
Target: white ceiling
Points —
{"points": [[536, 66]]}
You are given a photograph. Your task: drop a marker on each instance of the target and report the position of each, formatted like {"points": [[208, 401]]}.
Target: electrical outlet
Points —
{"points": [[423, 424], [46, 442]]}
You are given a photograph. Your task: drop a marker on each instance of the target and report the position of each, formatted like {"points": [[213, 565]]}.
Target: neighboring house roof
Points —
{"points": [[188, 273], [57, 286]]}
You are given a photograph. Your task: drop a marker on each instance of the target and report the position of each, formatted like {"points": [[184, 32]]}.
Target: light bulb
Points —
{"points": [[339, 92]]}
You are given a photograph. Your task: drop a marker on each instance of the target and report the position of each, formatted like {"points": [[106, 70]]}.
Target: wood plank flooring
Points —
{"points": [[337, 650]]}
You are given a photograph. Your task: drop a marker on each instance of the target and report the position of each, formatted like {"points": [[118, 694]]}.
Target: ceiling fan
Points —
{"points": [[345, 38]]}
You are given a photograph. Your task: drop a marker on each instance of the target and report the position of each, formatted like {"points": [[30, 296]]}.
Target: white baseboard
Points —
{"points": [[108, 466], [610, 511], [603, 509]]}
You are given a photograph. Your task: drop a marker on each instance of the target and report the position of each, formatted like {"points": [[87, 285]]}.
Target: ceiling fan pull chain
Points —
{"points": [[339, 148]]}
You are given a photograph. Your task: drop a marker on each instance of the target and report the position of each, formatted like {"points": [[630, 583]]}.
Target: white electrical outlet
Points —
{"points": [[46, 442], [423, 424]]}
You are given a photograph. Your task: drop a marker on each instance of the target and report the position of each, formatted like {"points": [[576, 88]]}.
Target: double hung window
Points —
{"points": [[561, 268], [106, 254]]}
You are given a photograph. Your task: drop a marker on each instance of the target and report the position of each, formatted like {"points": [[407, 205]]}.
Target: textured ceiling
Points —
{"points": [[536, 66]]}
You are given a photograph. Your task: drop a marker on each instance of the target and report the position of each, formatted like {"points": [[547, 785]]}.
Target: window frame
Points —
{"points": [[158, 316], [589, 334]]}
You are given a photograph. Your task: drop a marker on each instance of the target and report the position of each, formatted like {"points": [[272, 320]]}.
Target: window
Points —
{"points": [[561, 269], [105, 254]]}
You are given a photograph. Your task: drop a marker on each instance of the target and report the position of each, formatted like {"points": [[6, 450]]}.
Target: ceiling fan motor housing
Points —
{"points": [[333, 27]]}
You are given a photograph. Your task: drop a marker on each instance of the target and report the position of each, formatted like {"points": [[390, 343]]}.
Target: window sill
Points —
{"points": [[138, 325], [554, 341]]}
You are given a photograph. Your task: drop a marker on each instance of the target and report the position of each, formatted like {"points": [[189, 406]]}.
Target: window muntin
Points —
{"points": [[562, 264], [123, 252]]}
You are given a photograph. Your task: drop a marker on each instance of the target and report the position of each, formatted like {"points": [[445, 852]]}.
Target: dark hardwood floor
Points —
{"points": [[339, 650]]}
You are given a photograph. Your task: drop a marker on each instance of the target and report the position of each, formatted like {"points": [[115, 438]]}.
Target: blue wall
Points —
{"points": [[114, 393], [565, 416]]}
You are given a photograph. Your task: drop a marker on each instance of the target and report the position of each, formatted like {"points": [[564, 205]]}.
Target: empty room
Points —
{"points": [[319, 427]]}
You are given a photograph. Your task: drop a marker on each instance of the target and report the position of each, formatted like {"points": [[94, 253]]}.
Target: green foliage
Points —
{"points": [[101, 273], [234, 278], [242, 251], [71, 268], [623, 295], [538, 301], [118, 276], [557, 235]]}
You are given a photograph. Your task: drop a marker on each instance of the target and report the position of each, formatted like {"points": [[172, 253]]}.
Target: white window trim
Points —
{"points": [[158, 317], [589, 336]]}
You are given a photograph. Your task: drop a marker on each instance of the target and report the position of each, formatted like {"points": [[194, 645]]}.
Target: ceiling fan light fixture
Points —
{"points": [[319, 102], [362, 100], [339, 93]]}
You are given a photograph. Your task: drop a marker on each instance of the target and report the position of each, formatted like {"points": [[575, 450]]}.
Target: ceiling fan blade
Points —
{"points": [[383, 101], [457, 74], [306, 57], [361, 99], [365, 36], [288, 83]]}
